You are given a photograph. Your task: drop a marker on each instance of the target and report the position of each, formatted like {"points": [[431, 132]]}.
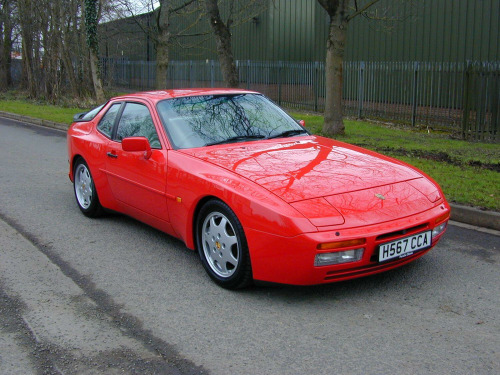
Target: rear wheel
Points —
{"points": [[85, 191], [222, 246]]}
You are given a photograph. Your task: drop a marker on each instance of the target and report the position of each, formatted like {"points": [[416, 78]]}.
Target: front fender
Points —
{"points": [[190, 181]]}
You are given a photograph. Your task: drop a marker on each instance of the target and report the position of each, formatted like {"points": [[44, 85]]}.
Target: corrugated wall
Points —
{"points": [[395, 30], [437, 30], [296, 30], [287, 30]]}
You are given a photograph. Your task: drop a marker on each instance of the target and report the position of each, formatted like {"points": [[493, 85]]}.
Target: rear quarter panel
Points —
{"points": [[85, 142]]}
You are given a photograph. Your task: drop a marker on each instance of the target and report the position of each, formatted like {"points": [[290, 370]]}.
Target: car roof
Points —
{"points": [[156, 96]]}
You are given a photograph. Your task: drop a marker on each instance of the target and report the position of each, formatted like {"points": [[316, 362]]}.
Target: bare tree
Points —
{"points": [[91, 21], [55, 56], [222, 34], [162, 43], [238, 12], [30, 44], [154, 19], [69, 17], [340, 13], [164, 31], [7, 11]]}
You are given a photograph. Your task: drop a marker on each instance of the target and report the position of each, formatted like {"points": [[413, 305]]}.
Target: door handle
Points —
{"points": [[111, 155]]}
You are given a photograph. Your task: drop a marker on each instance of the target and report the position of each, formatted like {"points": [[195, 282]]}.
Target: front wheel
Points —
{"points": [[222, 246], [85, 191]]}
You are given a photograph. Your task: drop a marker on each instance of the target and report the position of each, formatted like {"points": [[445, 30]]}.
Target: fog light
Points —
{"points": [[439, 229], [338, 257]]}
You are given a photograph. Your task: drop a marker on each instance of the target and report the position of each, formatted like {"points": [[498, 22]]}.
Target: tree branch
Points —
{"points": [[359, 11], [180, 7]]}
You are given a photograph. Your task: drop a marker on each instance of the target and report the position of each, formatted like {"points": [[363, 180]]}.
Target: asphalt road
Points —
{"points": [[112, 295]]}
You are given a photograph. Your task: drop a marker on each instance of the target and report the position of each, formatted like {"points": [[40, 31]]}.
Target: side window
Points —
{"points": [[93, 113], [136, 121], [108, 120]]}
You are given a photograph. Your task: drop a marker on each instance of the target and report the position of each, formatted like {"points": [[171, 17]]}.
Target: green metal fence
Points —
{"points": [[481, 98], [413, 92], [463, 97]]}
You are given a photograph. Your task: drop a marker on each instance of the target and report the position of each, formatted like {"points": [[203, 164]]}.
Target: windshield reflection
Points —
{"points": [[199, 121]]}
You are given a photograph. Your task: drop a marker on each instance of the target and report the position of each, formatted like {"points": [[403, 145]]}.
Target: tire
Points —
{"points": [[85, 191], [222, 246]]}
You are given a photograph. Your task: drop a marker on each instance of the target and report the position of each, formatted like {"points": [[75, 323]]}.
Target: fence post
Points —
{"points": [[190, 73], [248, 74], [495, 102], [129, 75], [481, 107], [361, 88], [316, 86], [172, 75], [415, 92], [466, 100], [143, 75], [279, 81], [212, 74]]}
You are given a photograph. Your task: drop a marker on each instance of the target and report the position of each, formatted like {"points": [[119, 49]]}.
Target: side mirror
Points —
{"points": [[302, 123], [137, 144]]}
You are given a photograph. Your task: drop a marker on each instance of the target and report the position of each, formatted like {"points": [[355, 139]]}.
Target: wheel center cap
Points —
{"points": [[217, 244]]}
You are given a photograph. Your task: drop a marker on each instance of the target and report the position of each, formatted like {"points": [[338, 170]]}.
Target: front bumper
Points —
{"points": [[290, 260]]}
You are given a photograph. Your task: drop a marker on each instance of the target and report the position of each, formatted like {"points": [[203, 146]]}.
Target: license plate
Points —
{"points": [[404, 246]]}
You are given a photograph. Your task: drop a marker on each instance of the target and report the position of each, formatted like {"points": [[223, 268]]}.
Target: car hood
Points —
{"points": [[303, 168]]}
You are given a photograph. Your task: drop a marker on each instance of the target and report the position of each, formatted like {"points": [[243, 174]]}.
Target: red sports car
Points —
{"points": [[260, 198]]}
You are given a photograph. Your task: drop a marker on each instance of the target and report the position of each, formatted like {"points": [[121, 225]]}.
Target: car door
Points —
{"points": [[137, 182]]}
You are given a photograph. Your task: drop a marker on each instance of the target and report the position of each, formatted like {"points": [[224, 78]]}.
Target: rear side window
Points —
{"points": [[136, 121], [108, 120], [91, 114]]}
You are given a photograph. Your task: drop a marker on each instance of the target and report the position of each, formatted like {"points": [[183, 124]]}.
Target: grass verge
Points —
{"points": [[42, 111], [418, 142], [468, 172]]}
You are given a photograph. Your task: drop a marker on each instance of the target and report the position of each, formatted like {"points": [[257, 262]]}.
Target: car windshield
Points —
{"points": [[198, 121]]}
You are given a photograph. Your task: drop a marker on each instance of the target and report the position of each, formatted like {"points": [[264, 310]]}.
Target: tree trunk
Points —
{"points": [[162, 60], [333, 123], [5, 45], [28, 71], [65, 56], [68, 66], [28, 40], [83, 74], [335, 46], [91, 20], [223, 42], [162, 45], [94, 68], [46, 56]]}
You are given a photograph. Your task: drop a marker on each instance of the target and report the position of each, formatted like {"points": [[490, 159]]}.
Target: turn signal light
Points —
{"points": [[442, 217], [340, 244]]}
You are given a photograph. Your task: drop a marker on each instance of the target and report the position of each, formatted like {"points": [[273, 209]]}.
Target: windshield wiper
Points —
{"points": [[239, 138], [289, 133]]}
